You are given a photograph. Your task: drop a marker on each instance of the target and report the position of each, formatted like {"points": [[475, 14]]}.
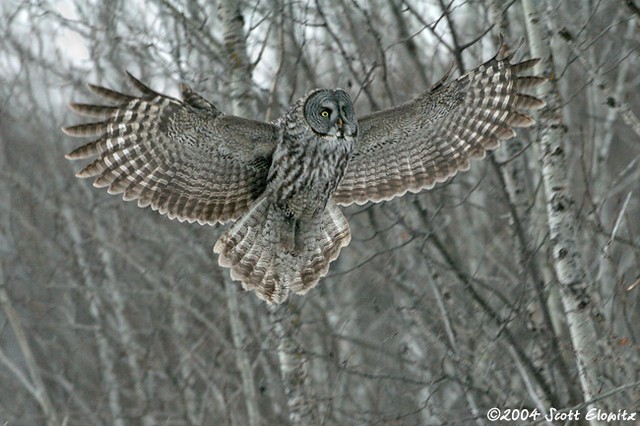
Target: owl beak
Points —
{"points": [[340, 131]]}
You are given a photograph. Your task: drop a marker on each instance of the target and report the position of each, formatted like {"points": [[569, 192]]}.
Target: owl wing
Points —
{"points": [[429, 139], [185, 158]]}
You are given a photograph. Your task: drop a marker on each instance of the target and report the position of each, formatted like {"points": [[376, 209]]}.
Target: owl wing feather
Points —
{"points": [[185, 159], [415, 145]]}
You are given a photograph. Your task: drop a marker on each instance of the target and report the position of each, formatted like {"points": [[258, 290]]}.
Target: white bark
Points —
{"points": [[292, 359], [239, 335], [603, 93], [293, 364], [575, 290], [240, 84], [236, 52]]}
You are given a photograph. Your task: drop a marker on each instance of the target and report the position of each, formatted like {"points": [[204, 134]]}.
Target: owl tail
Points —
{"points": [[274, 256]]}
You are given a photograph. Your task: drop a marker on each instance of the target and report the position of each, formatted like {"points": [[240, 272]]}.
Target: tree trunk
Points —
{"points": [[240, 84], [293, 364], [575, 290]]}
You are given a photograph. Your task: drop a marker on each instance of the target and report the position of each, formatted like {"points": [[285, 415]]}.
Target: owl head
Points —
{"points": [[330, 113]]}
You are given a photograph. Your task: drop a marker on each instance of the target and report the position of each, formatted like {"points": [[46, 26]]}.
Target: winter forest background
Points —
{"points": [[515, 285]]}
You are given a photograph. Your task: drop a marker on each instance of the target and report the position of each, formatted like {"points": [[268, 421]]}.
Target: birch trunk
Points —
{"points": [[292, 359], [235, 47], [575, 290], [293, 364], [240, 82]]}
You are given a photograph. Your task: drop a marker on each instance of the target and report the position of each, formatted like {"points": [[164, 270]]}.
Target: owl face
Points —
{"points": [[330, 113]]}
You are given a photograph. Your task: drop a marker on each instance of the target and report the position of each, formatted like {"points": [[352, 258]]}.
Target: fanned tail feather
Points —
{"points": [[256, 250]]}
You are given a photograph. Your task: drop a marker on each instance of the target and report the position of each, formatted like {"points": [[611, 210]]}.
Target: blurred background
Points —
{"points": [[445, 303]]}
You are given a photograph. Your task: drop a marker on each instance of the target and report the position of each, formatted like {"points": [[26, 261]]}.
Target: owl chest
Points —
{"points": [[303, 178]]}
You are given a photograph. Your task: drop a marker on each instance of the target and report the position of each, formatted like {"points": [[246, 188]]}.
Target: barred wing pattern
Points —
{"points": [[185, 159], [429, 139]]}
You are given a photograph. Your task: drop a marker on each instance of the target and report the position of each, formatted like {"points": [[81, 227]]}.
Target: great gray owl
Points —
{"points": [[282, 181]]}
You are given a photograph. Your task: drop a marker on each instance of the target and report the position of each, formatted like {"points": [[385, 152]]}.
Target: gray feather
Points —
{"points": [[431, 138], [183, 159]]}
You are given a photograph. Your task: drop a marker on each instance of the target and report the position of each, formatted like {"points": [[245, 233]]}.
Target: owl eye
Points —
{"points": [[324, 113]]}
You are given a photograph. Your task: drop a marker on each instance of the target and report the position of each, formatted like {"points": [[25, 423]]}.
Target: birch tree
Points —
{"points": [[575, 289]]}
